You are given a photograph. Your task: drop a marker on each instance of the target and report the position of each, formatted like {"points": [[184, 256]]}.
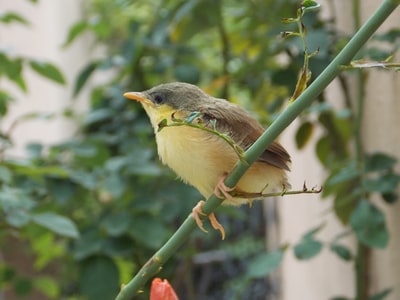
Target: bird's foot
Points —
{"points": [[222, 191], [198, 210]]}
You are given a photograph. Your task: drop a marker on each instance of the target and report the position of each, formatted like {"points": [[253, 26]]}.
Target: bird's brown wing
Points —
{"points": [[244, 130]]}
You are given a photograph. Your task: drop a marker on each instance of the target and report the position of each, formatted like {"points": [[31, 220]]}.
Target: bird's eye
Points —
{"points": [[158, 99]]}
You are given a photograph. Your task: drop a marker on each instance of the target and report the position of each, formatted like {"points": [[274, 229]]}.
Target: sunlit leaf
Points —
{"points": [[310, 5], [11, 17], [48, 286]]}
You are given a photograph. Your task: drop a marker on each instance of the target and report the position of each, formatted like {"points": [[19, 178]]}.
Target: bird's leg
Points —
{"points": [[221, 190], [198, 210]]}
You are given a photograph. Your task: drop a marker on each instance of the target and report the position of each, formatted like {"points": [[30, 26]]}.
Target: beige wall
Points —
{"points": [[42, 40]]}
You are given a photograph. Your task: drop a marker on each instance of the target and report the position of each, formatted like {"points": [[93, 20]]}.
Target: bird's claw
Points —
{"points": [[221, 190], [198, 210]]}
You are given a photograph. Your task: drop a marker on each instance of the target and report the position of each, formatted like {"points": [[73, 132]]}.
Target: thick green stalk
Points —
{"points": [[153, 266], [362, 258]]}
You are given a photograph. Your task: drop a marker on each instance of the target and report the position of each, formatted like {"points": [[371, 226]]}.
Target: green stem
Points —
{"points": [[362, 260], [362, 272], [225, 51], [153, 266]]}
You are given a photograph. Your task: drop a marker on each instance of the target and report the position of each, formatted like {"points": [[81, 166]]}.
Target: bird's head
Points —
{"points": [[162, 101]]}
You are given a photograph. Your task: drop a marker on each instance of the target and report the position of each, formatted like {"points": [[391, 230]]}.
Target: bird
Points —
{"points": [[203, 159]]}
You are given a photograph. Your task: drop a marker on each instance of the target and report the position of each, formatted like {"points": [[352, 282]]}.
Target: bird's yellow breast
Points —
{"points": [[201, 158], [196, 156]]}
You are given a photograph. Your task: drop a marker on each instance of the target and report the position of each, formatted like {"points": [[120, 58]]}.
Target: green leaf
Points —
{"points": [[313, 231], [86, 179], [15, 204], [57, 224], [344, 204], [381, 295], [307, 248], [12, 68], [192, 116], [390, 197], [37, 172], [10, 17], [119, 246], [117, 224], [90, 243], [47, 70], [149, 231], [391, 36], [76, 30], [98, 115], [383, 184], [114, 184], [5, 174], [341, 251], [323, 150], [309, 5], [304, 134], [345, 174], [61, 189], [99, 278], [48, 286], [368, 223], [83, 76], [5, 100], [22, 287], [265, 263], [7, 273], [379, 162]]}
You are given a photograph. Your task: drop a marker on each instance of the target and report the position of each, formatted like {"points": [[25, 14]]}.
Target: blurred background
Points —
{"points": [[84, 201]]}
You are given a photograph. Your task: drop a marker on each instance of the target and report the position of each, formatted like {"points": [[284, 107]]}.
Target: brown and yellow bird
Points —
{"points": [[203, 159]]}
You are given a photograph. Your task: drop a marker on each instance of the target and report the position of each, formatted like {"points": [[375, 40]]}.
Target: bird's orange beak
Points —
{"points": [[138, 97]]}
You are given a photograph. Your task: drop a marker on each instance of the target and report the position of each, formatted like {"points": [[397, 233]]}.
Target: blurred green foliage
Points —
{"points": [[95, 207]]}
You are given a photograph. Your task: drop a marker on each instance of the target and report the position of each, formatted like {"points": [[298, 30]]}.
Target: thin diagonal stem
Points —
{"points": [[153, 266]]}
